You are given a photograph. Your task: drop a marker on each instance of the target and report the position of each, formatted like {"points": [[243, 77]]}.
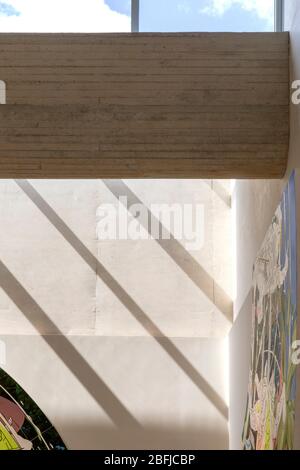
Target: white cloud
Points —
{"points": [[263, 8], [79, 16]]}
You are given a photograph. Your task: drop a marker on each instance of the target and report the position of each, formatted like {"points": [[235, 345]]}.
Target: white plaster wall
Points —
{"points": [[121, 343], [255, 203], [169, 408], [49, 243]]}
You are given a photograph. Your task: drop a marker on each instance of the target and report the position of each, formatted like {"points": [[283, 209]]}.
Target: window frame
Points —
{"points": [[278, 20]]}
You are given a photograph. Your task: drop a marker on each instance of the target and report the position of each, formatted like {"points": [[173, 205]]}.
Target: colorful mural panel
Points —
{"points": [[270, 414], [23, 426]]}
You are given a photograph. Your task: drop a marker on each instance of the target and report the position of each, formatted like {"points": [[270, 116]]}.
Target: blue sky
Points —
{"points": [[205, 15], [155, 15], [8, 10], [121, 6], [201, 15], [64, 16]]}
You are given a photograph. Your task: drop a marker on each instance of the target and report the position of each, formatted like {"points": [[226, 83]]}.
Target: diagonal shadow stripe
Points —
{"points": [[178, 253], [220, 191], [125, 298], [65, 350]]}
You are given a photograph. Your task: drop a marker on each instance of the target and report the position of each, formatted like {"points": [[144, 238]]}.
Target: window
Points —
{"points": [[65, 16], [207, 15], [140, 15]]}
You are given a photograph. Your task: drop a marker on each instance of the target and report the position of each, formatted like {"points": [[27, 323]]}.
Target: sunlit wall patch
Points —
{"points": [[2, 92], [2, 353]]}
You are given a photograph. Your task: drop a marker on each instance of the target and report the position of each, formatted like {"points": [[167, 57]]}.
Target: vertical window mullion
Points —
{"points": [[135, 16], [279, 15]]}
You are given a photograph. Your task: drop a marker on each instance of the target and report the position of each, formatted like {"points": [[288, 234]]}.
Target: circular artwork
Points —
{"points": [[23, 426]]}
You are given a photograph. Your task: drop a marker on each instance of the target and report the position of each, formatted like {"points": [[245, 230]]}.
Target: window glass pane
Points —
{"points": [[207, 15], [65, 16]]}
